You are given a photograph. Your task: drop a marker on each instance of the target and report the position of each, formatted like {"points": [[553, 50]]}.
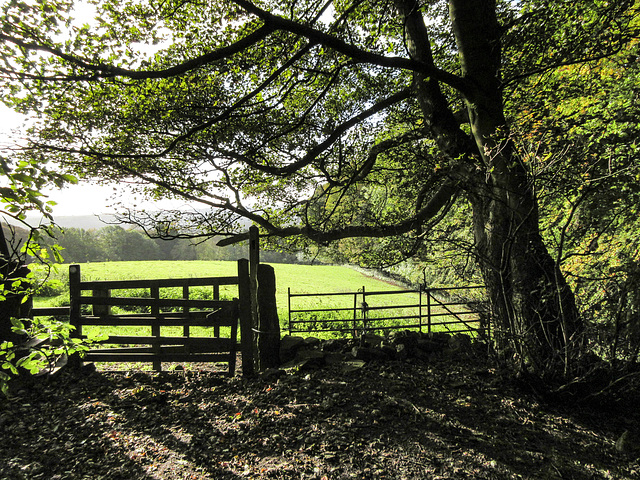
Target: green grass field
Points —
{"points": [[300, 279]]}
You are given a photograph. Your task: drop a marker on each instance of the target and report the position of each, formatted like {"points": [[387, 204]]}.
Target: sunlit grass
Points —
{"points": [[299, 279]]}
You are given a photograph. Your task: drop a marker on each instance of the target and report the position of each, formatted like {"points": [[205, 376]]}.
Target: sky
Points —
{"points": [[83, 198]]}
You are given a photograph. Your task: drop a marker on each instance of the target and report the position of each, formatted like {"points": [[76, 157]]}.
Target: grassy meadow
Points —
{"points": [[300, 279]]}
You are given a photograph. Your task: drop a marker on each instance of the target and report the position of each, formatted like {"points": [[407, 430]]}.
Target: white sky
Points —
{"points": [[83, 198]]}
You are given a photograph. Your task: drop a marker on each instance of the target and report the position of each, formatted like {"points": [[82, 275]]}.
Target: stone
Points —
{"points": [[389, 350], [628, 443], [332, 358], [369, 354], [313, 355], [353, 365], [371, 340], [304, 360], [289, 345], [406, 338], [429, 346], [459, 342], [273, 373], [333, 345], [402, 352], [440, 337], [311, 342]]}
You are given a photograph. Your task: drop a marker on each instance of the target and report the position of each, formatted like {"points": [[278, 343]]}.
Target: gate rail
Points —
{"points": [[427, 310], [96, 309]]}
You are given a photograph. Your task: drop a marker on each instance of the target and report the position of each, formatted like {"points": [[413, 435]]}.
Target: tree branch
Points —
{"points": [[102, 70], [351, 51], [439, 200], [323, 146]]}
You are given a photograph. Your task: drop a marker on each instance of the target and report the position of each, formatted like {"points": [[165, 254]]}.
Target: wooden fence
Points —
{"points": [[426, 310], [100, 303]]}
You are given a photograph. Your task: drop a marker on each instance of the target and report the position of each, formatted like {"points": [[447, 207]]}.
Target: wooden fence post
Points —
{"points": [[355, 315], [155, 328], [74, 311], [101, 310], [428, 291], [254, 261], [289, 307], [420, 309], [246, 327], [268, 322]]}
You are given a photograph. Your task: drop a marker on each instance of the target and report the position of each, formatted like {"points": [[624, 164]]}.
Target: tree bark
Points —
{"points": [[534, 316]]}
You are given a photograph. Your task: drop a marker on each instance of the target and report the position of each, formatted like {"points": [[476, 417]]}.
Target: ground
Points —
{"points": [[453, 417]]}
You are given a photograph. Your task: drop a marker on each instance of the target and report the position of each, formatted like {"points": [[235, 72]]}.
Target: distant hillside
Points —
{"points": [[86, 222]]}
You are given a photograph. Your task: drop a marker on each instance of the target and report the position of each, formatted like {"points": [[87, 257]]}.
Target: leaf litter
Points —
{"points": [[452, 417]]}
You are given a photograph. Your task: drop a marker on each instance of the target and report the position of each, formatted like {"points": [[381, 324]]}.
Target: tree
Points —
{"points": [[246, 107], [79, 245], [21, 185], [590, 191], [119, 244]]}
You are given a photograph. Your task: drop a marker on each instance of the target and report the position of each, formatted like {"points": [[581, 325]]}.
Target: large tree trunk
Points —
{"points": [[534, 314], [534, 311]]}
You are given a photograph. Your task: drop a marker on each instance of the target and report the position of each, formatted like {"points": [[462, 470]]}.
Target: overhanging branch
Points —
{"points": [[439, 200], [102, 70], [313, 153], [351, 51]]}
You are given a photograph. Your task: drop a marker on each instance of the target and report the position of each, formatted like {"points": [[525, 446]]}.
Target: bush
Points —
{"points": [[33, 357]]}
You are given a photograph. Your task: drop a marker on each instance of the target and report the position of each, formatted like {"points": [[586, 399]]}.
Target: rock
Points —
{"points": [[389, 350], [460, 342], [313, 355], [369, 354], [88, 368], [353, 365], [289, 345], [305, 359], [333, 358], [406, 338], [333, 345], [422, 355], [429, 346], [440, 337], [628, 443], [402, 352], [311, 342], [273, 373], [371, 340]]}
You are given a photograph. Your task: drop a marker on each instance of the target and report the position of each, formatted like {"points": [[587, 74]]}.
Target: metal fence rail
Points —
{"points": [[428, 310]]}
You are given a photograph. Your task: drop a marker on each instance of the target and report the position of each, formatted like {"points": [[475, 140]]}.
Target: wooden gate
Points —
{"points": [[101, 303]]}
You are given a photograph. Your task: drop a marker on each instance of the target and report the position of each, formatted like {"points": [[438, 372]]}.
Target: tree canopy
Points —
{"points": [[326, 120]]}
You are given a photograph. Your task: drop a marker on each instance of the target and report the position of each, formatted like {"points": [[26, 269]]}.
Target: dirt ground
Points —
{"points": [[445, 418]]}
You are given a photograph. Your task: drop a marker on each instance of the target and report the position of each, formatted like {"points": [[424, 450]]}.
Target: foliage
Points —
{"points": [[579, 129], [374, 120], [115, 244], [22, 180], [45, 342]]}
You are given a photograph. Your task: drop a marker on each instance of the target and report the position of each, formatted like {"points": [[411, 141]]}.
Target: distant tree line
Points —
{"points": [[114, 243]]}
